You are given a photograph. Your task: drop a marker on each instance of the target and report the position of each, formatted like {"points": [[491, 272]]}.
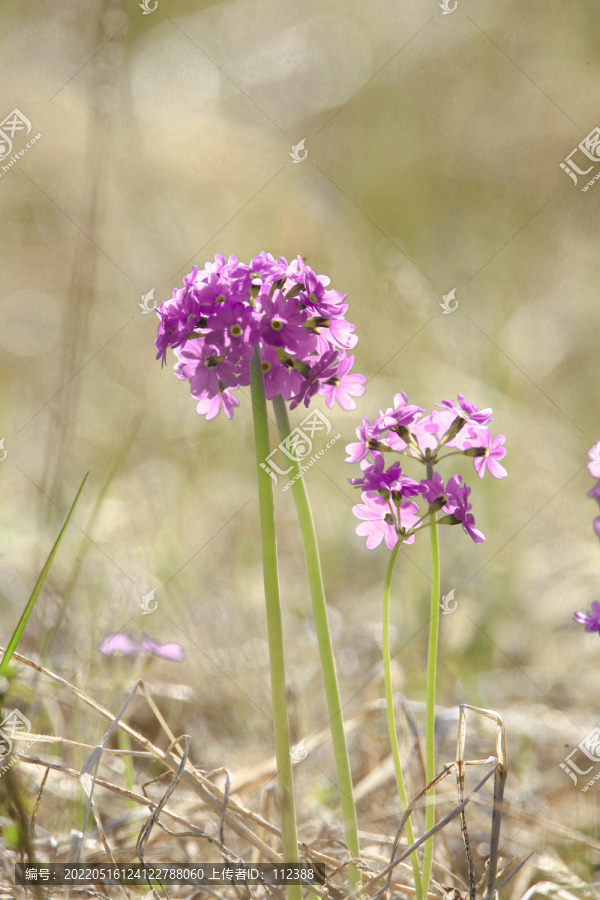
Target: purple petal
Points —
{"points": [[118, 642]]}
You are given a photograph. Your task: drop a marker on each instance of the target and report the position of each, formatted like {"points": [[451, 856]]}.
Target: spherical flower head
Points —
{"points": [[384, 520], [592, 619], [228, 309]]}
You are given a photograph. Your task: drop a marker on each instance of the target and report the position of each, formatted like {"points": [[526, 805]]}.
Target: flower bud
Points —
{"points": [[454, 429], [404, 432], [437, 504], [372, 444]]}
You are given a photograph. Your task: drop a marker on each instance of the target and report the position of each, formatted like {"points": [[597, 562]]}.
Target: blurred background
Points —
{"points": [[433, 143]]}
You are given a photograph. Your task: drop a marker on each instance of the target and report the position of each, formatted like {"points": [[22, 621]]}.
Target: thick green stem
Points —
{"points": [[275, 634], [431, 672], [389, 699], [317, 591]]}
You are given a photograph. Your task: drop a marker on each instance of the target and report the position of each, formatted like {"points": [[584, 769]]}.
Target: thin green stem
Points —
{"points": [[389, 700], [274, 628], [431, 673], [317, 591]]}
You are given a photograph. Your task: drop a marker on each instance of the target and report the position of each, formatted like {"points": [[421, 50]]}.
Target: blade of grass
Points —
{"points": [[18, 632], [50, 634]]}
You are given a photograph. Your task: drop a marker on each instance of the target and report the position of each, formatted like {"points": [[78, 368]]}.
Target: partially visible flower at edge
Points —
{"points": [[592, 619]]}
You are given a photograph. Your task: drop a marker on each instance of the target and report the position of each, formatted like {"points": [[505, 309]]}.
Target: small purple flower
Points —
{"points": [[171, 651], [433, 487], [375, 478], [592, 619], [494, 451], [381, 520], [119, 642], [320, 372], [206, 369], [359, 450], [458, 508], [400, 414], [233, 328], [282, 323], [210, 407], [342, 386], [279, 378], [468, 411]]}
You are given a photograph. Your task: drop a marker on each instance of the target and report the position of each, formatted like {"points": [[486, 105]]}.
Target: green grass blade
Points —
{"points": [[14, 641]]}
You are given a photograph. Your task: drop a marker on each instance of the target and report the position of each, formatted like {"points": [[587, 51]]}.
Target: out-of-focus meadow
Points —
{"points": [[433, 148]]}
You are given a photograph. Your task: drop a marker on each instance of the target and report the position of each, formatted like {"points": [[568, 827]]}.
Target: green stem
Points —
{"points": [[319, 606], [332, 693], [389, 699], [274, 628], [431, 671]]}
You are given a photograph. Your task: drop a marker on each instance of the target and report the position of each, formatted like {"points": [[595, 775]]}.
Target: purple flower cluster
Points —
{"points": [[389, 509], [228, 308]]}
